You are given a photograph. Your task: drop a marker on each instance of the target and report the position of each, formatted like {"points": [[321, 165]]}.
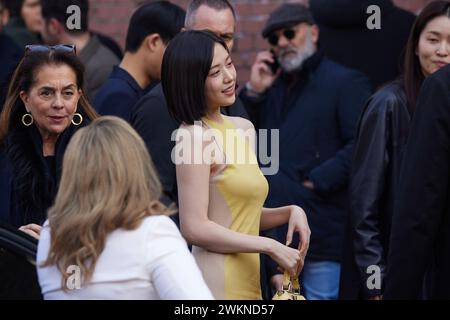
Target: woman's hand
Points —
{"points": [[299, 223], [32, 229], [289, 259]]}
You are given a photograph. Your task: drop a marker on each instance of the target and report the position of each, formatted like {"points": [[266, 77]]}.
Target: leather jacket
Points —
{"points": [[381, 139]]}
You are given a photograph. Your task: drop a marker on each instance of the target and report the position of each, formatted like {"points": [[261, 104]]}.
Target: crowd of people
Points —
{"points": [[142, 169]]}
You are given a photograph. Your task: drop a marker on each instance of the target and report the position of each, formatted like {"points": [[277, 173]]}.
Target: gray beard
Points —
{"points": [[296, 62]]}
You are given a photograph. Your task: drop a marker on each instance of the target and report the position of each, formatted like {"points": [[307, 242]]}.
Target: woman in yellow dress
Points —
{"points": [[221, 189]]}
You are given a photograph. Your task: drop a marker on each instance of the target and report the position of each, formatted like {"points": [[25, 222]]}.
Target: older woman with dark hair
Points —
{"points": [[378, 154], [44, 107]]}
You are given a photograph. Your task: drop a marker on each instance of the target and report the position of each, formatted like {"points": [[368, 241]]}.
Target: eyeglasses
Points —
{"points": [[287, 33], [70, 48]]}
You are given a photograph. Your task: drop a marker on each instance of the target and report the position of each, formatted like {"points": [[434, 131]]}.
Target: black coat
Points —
{"points": [[316, 111], [345, 38], [377, 157], [29, 181], [420, 233]]}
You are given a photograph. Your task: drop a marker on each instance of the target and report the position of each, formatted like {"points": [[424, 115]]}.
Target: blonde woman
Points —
{"points": [[107, 235]]}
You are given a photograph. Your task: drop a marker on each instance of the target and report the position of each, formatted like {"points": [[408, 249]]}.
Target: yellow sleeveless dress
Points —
{"points": [[237, 192]]}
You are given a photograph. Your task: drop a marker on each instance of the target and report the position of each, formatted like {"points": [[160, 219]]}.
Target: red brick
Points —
{"points": [[112, 16], [244, 9]]}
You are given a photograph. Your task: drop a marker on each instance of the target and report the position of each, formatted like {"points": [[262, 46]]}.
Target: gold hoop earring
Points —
{"points": [[80, 117], [24, 119]]}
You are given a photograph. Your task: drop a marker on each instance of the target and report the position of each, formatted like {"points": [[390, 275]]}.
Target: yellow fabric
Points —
{"points": [[244, 189]]}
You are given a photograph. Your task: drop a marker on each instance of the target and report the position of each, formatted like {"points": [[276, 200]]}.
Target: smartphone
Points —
{"points": [[274, 65]]}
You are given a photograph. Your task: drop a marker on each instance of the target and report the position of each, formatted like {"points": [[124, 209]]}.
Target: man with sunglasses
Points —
{"points": [[315, 103]]}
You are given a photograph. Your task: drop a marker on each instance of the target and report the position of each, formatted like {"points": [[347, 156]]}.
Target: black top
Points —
{"points": [[420, 234], [118, 95], [51, 163]]}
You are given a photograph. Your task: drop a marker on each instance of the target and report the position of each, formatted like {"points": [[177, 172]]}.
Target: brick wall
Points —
{"points": [[112, 16]]}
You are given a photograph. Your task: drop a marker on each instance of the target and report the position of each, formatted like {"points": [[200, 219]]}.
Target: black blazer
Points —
{"points": [[420, 235]]}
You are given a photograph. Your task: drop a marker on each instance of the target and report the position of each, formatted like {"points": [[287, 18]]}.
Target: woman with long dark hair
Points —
{"points": [[381, 139], [44, 107]]}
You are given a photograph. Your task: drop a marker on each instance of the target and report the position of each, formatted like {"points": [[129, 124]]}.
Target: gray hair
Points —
{"points": [[214, 4]]}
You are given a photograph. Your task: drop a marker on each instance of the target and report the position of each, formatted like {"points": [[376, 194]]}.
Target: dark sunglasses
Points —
{"points": [[70, 48], [287, 33]]}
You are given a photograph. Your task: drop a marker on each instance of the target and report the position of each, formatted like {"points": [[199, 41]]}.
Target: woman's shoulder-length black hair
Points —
{"points": [[185, 67]]}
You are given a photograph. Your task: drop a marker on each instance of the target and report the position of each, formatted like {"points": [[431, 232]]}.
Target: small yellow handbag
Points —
{"points": [[291, 289]]}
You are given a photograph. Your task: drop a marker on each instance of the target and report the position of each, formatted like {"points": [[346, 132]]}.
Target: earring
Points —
{"points": [[30, 119], [80, 117]]}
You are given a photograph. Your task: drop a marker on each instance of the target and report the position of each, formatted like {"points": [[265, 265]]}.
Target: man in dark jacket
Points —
{"points": [[151, 28], [420, 233], [150, 116], [315, 103], [345, 37]]}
